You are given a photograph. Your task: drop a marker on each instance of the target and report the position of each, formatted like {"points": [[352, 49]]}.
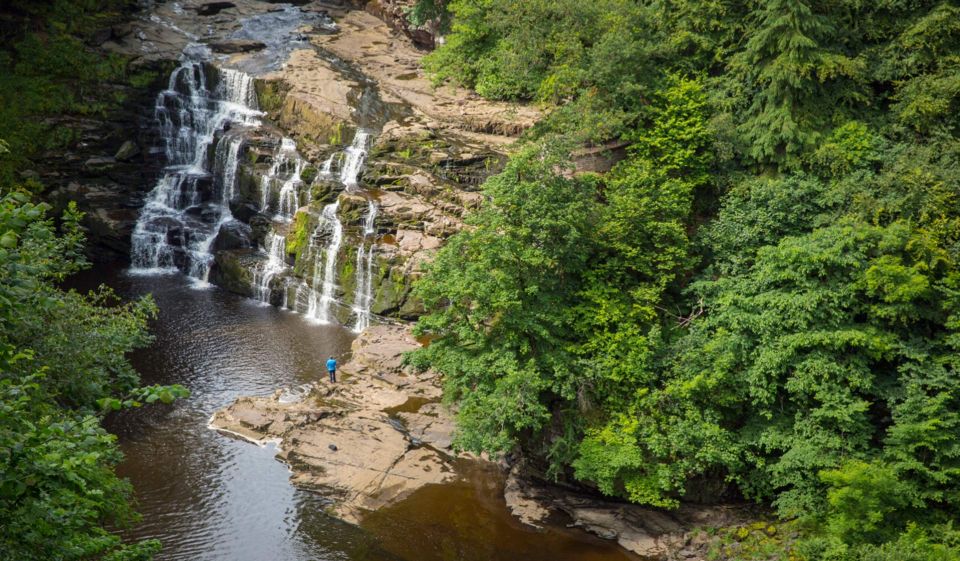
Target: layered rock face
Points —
{"points": [[332, 199]]}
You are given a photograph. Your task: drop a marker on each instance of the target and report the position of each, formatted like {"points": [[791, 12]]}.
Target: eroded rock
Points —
{"points": [[232, 46], [341, 440], [645, 531]]}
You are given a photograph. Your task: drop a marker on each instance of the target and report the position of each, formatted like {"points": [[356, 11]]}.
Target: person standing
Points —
{"points": [[332, 368]]}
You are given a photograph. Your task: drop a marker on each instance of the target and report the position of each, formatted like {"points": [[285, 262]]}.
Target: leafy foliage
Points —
{"points": [[47, 72], [764, 298], [61, 364]]}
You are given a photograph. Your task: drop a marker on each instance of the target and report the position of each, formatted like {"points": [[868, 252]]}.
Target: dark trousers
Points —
{"points": [[333, 375]]}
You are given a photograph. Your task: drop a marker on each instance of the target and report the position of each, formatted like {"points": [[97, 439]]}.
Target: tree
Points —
{"points": [[500, 293], [62, 365]]}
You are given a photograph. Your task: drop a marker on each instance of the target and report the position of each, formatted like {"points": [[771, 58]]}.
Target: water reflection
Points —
{"points": [[210, 497]]}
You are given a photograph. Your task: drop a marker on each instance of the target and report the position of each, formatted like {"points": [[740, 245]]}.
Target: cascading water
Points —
{"points": [[354, 157], [326, 277], [286, 160], [289, 193], [363, 292], [181, 217], [275, 264]]}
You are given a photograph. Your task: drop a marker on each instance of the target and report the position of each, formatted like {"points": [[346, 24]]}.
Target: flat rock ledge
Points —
{"points": [[369, 440]]}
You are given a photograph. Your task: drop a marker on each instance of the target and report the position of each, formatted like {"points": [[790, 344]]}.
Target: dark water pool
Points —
{"points": [[210, 497]]}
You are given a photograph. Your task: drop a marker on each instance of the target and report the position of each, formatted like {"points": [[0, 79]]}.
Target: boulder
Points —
{"points": [[233, 235], [127, 151], [232, 270]]}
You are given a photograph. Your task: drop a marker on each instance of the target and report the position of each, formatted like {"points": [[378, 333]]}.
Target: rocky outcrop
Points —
{"points": [[366, 441], [108, 166], [648, 532], [395, 13], [367, 43]]}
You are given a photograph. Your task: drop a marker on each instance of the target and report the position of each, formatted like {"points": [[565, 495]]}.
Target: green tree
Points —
{"points": [[62, 364], [500, 294]]}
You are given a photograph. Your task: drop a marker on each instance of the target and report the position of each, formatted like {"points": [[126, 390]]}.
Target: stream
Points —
{"points": [[207, 496]]}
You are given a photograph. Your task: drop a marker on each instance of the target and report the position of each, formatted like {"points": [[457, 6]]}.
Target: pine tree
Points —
{"points": [[785, 61]]}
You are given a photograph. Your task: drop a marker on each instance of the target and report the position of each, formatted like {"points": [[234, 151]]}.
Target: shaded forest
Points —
{"points": [[760, 301]]}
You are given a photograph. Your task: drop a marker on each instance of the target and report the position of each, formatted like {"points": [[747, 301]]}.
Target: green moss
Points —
{"points": [[299, 235], [336, 137], [51, 74], [270, 94], [309, 173]]}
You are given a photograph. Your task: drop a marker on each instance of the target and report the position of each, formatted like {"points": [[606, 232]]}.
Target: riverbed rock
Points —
{"points": [[342, 440], [213, 8], [393, 61], [316, 99], [232, 46], [648, 532]]}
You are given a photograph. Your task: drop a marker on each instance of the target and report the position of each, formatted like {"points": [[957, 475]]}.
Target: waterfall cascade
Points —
{"points": [[275, 264], [354, 157], [363, 291], [182, 215], [202, 117], [286, 161], [325, 277]]}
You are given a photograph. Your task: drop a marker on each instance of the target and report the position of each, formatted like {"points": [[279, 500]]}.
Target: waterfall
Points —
{"points": [[182, 216], [363, 291], [354, 156], [276, 263], [288, 197], [289, 194], [326, 170], [326, 277]]}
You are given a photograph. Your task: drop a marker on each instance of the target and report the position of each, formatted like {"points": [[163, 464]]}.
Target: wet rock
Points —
{"points": [[232, 46], [244, 211], [645, 531], [232, 235], [232, 270], [99, 163], [214, 8], [127, 151], [372, 463]]}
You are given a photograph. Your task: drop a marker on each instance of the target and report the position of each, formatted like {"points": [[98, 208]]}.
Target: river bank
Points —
{"points": [[380, 433], [322, 173]]}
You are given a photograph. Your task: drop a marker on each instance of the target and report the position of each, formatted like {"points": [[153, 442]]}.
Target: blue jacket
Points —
{"points": [[332, 364]]}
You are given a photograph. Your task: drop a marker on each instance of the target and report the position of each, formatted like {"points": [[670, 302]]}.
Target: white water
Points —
{"points": [[287, 161], [326, 277], [289, 193], [363, 291], [276, 263], [354, 157], [181, 217]]}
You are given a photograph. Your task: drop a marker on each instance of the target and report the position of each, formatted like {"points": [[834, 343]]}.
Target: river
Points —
{"points": [[209, 497]]}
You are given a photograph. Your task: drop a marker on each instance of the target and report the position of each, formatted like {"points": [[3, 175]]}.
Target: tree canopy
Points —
{"points": [[759, 301]]}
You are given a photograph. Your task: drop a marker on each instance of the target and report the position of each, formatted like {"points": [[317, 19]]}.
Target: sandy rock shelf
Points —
{"points": [[365, 442]]}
